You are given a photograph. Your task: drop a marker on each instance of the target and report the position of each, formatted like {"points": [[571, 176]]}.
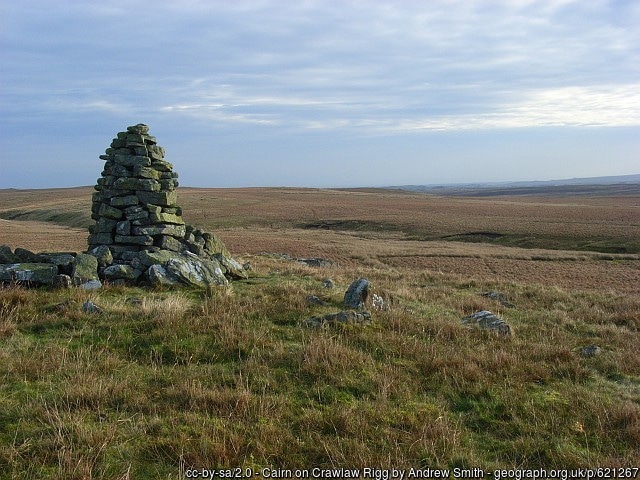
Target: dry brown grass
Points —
{"points": [[256, 220]]}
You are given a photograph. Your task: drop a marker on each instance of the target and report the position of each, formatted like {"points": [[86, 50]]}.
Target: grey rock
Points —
{"points": [[63, 260], [91, 285], [29, 273], [486, 320], [103, 255], [197, 272], [109, 212], [160, 257], [90, 307], [85, 268], [26, 256], [343, 317], [134, 239], [157, 275], [164, 199], [124, 272], [315, 300], [127, 201], [160, 229], [100, 239], [140, 129], [132, 161], [590, 351], [171, 243], [104, 225], [62, 281], [328, 283], [7, 255], [500, 297], [232, 267], [317, 262], [357, 293]]}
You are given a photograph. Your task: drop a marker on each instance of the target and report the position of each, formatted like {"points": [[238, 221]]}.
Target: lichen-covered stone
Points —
{"points": [[110, 212], [121, 272], [62, 260], [126, 201], [195, 271], [85, 268], [30, 273], [103, 255], [157, 275], [357, 293], [134, 239]]}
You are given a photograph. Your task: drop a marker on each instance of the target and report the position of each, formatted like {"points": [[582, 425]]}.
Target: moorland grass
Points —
{"points": [[164, 380]]}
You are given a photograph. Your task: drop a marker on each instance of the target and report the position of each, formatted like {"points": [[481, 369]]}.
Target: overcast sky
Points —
{"points": [[322, 92]]}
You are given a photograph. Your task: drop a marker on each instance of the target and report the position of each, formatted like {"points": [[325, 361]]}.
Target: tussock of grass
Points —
{"points": [[164, 380]]}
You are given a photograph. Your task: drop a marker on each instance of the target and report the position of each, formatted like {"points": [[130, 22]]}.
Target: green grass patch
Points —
{"points": [[227, 377]]}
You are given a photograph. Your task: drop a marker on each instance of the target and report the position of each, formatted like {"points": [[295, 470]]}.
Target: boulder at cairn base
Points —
{"points": [[29, 273], [138, 220]]}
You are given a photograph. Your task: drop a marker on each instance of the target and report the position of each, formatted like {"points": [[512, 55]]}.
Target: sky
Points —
{"points": [[322, 93]]}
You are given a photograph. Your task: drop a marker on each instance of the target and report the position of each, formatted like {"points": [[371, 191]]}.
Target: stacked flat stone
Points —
{"points": [[135, 205], [139, 224]]}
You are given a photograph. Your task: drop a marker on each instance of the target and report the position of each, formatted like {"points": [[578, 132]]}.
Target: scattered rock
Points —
{"points": [[62, 281], [486, 320], [247, 266], [357, 293], [590, 351], [500, 297], [328, 283], [311, 262], [343, 317], [91, 285], [62, 306], [316, 262], [315, 300], [90, 307]]}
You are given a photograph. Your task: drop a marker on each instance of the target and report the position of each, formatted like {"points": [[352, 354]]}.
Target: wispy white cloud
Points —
{"points": [[381, 67]]}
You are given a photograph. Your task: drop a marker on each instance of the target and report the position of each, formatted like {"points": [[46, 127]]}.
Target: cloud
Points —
{"points": [[268, 68]]}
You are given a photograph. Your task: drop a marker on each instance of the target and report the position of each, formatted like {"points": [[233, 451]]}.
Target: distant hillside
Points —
{"points": [[611, 185]]}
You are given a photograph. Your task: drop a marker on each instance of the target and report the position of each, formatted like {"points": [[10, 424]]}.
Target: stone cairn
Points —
{"points": [[139, 234]]}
